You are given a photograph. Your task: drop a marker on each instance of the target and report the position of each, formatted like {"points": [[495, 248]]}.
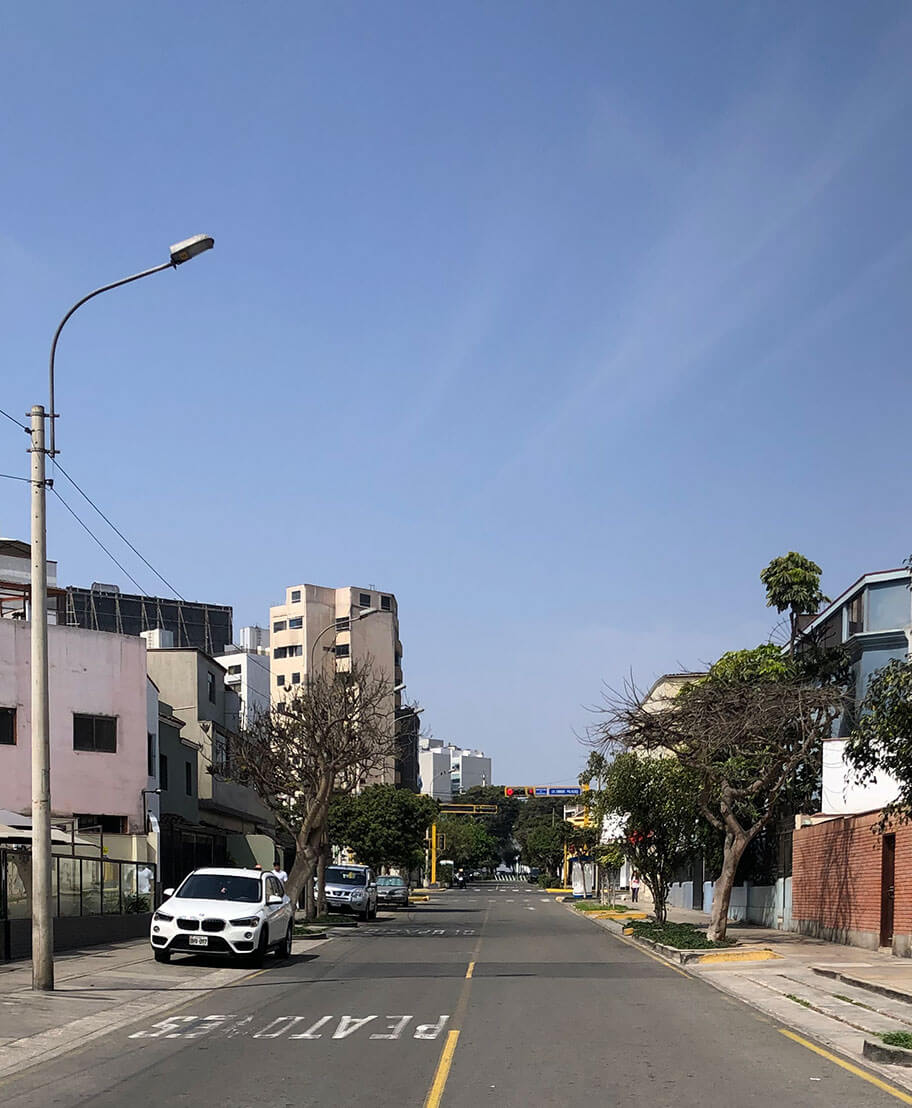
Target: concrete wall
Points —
{"points": [[94, 673]]}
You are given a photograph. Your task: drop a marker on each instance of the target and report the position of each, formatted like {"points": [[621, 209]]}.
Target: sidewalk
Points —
{"points": [[98, 990], [834, 995]]}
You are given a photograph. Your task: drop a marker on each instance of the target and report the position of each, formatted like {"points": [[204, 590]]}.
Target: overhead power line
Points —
{"points": [[13, 419], [93, 536], [85, 496]]}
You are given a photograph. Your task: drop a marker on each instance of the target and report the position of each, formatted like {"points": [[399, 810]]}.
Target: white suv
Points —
{"points": [[352, 889], [233, 912]]}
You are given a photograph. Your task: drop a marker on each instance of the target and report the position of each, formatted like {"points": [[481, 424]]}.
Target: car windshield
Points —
{"points": [[221, 886], [336, 875], [390, 881]]}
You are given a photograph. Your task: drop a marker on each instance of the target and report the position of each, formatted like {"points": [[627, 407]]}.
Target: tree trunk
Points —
{"points": [[734, 847], [322, 863]]}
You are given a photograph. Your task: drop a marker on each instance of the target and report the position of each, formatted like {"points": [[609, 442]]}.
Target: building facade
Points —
{"points": [[849, 875], [322, 630], [193, 685], [99, 727], [446, 770], [248, 672]]}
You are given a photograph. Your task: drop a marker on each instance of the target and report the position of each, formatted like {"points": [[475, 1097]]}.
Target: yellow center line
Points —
{"points": [[443, 1071], [856, 1070]]}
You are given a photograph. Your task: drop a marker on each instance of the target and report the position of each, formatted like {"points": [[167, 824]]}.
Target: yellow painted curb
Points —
{"points": [[558, 890], [615, 915], [627, 931], [418, 899], [738, 956]]}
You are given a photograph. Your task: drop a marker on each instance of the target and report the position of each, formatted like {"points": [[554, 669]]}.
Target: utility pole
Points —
{"points": [[42, 920]]}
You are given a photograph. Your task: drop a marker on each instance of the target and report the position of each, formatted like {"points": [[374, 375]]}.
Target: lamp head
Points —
{"points": [[183, 251]]}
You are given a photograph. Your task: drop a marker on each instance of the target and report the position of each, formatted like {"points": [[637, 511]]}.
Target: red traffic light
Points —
{"points": [[508, 791]]}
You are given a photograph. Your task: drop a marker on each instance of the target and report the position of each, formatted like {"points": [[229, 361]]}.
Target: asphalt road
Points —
{"points": [[495, 995]]}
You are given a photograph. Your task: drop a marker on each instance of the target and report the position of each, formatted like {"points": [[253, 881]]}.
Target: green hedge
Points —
{"points": [[683, 936]]}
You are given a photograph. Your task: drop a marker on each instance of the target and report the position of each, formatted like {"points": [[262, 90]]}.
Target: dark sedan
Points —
{"points": [[392, 892]]}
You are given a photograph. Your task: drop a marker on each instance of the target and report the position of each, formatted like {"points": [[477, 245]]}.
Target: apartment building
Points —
{"points": [[247, 671], [325, 629], [446, 770]]}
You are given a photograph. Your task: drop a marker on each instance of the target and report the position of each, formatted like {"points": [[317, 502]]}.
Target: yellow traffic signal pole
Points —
{"points": [[434, 853]]}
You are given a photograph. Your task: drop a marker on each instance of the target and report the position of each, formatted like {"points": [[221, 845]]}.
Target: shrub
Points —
{"points": [[683, 936], [898, 1038]]}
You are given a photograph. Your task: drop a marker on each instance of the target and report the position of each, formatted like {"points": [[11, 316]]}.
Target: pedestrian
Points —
{"points": [[634, 888], [280, 873]]}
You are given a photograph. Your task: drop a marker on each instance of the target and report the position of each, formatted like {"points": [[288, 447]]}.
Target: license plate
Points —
{"points": [[199, 940]]}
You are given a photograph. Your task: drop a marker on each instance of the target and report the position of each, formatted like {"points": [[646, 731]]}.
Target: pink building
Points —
{"points": [[100, 750]]}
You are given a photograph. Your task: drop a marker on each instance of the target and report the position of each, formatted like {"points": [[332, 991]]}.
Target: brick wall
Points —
{"points": [[836, 882]]}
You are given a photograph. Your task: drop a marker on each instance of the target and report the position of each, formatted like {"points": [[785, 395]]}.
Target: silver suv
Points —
{"points": [[352, 889]]}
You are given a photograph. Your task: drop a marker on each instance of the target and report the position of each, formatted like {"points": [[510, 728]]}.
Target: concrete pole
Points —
{"points": [[42, 919]]}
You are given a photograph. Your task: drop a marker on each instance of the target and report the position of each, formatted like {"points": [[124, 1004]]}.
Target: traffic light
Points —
{"points": [[519, 790]]}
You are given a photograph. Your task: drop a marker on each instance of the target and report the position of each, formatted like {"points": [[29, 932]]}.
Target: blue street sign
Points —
{"points": [[541, 790]]}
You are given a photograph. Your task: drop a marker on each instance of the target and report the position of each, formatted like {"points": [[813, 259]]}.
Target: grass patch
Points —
{"points": [[898, 1038], [682, 936], [857, 1003], [798, 1000], [594, 906]]}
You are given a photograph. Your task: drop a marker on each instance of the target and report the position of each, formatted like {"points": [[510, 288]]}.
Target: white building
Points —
{"points": [[248, 672], [446, 770]]}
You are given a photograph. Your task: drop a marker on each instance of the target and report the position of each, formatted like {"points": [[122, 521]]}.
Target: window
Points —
{"points": [[343, 624], [95, 733], [280, 680], [279, 625], [108, 825], [163, 770], [296, 624], [364, 600], [296, 596], [273, 887], [280, 652], [188, 778], [295, 651], [7, 726], [210, 685], [150, 755], [234, 670], [343, 650], [386, 603], [296, 679], [221, 753], [856, 615]]}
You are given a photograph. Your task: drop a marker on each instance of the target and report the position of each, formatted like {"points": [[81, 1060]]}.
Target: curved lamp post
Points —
{"points": [[42, 919]]}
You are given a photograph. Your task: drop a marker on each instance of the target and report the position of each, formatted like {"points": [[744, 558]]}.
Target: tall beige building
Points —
{"points": [[321, 627]]}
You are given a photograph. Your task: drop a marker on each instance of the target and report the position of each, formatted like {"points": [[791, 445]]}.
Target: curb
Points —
{"points": [[880, 1052], [861, 983]]}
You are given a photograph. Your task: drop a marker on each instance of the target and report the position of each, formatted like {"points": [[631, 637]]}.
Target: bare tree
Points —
{"points": [[332, 734], [750, 733]]}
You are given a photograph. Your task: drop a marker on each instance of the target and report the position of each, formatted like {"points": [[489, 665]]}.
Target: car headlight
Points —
{"points": [[247, 921], [162, 917]]}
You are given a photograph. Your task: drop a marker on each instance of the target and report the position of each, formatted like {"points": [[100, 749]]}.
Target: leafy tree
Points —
{"points": [[656, 798], [465, 842], [327, 735], [879, 741], [749, 735], [793, 583], [383, 825], [501, 824]]}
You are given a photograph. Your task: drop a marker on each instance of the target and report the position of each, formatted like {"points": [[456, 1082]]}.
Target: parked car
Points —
{"points": [[351, 889], [392, 892], [239, 913]]}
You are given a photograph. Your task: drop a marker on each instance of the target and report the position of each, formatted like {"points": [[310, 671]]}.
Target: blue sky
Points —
{"points": [[559, 321]]}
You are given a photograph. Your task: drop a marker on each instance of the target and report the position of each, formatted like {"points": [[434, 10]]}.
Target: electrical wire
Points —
{"points": [[13, 419], [118, 532], [93, 536], [13, 477]]}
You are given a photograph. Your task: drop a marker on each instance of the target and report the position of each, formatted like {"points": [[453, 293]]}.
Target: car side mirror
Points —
{"points": [[168, 892], [273, 899]]}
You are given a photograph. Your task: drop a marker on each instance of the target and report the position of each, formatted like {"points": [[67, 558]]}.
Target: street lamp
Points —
{"points": [[42, 920], [334, 626]]}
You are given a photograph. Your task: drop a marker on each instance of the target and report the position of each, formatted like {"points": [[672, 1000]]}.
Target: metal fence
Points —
{"points": [[79, 886]]}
